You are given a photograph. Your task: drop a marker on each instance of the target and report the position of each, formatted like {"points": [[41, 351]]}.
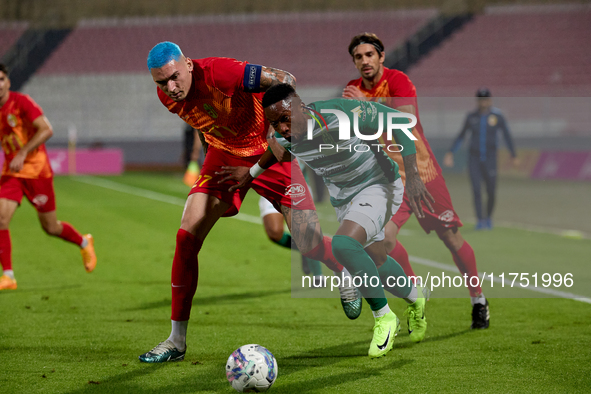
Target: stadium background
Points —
{"points": [[84, 63]]}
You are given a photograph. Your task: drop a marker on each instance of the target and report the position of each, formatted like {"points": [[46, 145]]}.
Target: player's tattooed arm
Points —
{"points": [[304, 227], [273, 76], [415, 188]]}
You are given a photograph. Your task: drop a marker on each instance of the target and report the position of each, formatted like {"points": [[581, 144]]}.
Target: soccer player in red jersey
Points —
{"points": [[395, 89], [221, 97], [26, 171]]}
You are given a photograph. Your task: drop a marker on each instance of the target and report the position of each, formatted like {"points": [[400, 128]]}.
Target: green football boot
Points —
{"points": [[415, 318], [351, 301], [165, 351], [384, 331]]}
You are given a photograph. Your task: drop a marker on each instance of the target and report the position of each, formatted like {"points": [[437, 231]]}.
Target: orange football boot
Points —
{"points": [[7, 283], [88, 254]]}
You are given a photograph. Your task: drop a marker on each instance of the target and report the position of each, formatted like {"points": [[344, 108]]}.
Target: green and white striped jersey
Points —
{"points": [[349, 166]]}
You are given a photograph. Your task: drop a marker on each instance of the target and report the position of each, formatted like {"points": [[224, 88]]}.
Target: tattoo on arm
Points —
{"points": [[273, 76], [305, 228]]}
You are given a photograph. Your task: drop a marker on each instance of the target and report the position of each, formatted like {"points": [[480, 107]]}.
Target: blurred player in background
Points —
{"points": [[365, 190], [483, 124], [394, 88], [221, 97], [24, 130]]}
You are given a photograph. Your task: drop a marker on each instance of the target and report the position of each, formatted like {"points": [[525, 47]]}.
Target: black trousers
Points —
{"points": [[483, 171]]}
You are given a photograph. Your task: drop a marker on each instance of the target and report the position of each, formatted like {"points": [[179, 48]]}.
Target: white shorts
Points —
{"points": [[372, 208], [266, 207]]}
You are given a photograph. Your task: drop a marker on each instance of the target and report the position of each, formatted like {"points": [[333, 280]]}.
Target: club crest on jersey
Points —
{"points": [[492, 120], [12, 121], [295, 190]]}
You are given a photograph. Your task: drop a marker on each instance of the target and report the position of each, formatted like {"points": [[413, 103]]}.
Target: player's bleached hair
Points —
{"points": [[277, 93], [366, 38], [162, 53]]}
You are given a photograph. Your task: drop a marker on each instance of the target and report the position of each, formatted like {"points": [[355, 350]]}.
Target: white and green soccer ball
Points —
{"points": [[251, 369]]}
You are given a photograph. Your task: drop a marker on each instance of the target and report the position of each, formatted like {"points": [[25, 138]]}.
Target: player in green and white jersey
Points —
{"points": [[333, 138]]}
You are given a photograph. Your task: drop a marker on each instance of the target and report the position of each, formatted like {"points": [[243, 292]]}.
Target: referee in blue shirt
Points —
{"points": [[483, 125]]}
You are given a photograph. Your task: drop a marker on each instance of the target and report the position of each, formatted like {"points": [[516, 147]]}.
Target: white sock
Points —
{"points": [[318, 281], [479, 299], [178, 335], [9, 273], [413, 296], [84, 243], [381, 312], [343, 274]]}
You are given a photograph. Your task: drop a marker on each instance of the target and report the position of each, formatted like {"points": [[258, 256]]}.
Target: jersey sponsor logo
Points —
{"points": [[492, 120], [298, 202], [295, 190], [210, 111], [11, 119], [447, 216], [40, 200]]}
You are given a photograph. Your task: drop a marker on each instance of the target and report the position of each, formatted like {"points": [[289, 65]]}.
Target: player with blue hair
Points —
{"points": [[163, 53], [222, 98]]}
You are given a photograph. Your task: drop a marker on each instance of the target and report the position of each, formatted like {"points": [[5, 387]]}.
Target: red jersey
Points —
{"points": [[230, 119], [16, 129], [398, 90]]}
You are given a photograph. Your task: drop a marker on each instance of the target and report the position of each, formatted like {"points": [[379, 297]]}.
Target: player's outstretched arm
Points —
{"points": [[274, 76], [244, 175], [415, 188]]}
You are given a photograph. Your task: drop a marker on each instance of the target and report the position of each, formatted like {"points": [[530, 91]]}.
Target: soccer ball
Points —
{"points": [[251, 368]]}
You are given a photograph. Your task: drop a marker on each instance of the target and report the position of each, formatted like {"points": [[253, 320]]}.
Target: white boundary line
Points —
{"points": [[137, 191]]}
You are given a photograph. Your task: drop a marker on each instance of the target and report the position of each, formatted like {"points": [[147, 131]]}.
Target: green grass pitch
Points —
{"points": [[66, 331]]}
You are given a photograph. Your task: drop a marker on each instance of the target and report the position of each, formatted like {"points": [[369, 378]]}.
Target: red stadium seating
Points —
{"points": [[313, 46], [534, 50], [10, 32]]}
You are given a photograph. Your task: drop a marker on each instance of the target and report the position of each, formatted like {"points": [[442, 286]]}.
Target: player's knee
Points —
{"points": [[389, 244], [4, 222], [274, 234], [452, 238]]}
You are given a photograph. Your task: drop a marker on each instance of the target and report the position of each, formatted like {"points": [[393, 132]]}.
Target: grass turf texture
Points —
{"points": [[66, 331]]}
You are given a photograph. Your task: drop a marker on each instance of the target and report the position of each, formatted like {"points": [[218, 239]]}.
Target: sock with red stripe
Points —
{"points": [[466, 262], [5, 250], [185, 272], [70, 234], [400, 254], [323, 252]]}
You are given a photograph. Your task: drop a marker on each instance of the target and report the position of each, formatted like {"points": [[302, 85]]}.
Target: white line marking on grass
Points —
{"points": [[151, 195], [567, 233], [453, 268], [137, 191]]}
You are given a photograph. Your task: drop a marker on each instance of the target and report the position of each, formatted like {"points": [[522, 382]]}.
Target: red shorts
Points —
{"points": [[38, 191], [281, 184], [444, 217]]}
